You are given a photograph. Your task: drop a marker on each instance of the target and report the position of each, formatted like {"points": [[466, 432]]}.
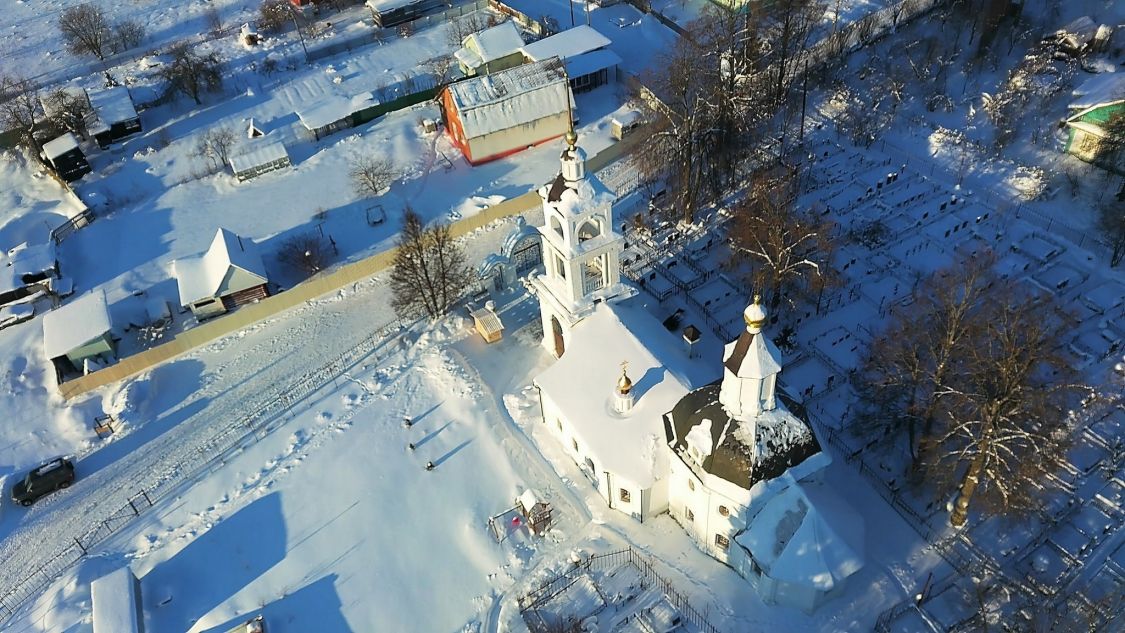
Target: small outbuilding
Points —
{"points": [[116, 602], [27, 269], [487, 323], [493, 116], [386, 13], [583, 50], [229, 274], [78, 332], [113, 116], [491, 50], [66, 157], [260, 158], [333, 113]]}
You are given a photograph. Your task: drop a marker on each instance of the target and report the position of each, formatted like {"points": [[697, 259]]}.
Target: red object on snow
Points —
{"points": [[515, 521]]}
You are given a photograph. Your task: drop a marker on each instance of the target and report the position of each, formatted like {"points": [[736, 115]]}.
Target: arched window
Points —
{"points": [[590, 229], [556, 225]]}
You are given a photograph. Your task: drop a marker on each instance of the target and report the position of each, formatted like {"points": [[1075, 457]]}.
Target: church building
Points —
{"points": [[731, 460]]}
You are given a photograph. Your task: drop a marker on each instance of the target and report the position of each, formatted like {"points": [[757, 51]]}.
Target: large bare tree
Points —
{"points": [[429, 271], [784, 246], [86, 30], [21, 110], [191, 73], [67, 111]]}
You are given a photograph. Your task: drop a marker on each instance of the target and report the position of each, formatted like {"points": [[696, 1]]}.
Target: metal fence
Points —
{"points": [[256, 425], [650, 579]]}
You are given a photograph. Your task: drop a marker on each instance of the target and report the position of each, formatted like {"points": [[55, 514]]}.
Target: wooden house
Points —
{"points": [[536, 512], [491, 50], [66, 157], [493, 116], [78, 332], [229, 274], [112, 117]]}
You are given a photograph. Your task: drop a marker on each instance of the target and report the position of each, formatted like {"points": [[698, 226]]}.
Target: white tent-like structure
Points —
{"points": [[801, 547], [230, 273]]}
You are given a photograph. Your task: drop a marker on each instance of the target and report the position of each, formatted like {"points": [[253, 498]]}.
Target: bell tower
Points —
{"points": [[750, 368], [581, 251]]}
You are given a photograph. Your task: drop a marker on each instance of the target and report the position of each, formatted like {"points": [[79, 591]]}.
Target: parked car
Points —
{"points": [[44, 479]]}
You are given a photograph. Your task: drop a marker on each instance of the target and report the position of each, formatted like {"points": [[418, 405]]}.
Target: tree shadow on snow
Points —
{"points": [[314, 607], [215, 566]]}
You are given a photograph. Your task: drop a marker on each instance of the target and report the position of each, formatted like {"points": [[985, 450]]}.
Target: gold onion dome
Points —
{"points": [[571, 137], [624, 385], [755, 315]]}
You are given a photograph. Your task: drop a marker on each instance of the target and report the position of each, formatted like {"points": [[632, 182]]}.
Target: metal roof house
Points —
{"points": [[583, 50], [228, 274], [495, 115]]}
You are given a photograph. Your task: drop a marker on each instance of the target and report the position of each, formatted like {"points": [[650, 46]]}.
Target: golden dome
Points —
{"points": [[571, 137], [755, 315], [624, 385]]}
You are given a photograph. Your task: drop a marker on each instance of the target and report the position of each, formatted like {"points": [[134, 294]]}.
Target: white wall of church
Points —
{"points": [[704, 512]]}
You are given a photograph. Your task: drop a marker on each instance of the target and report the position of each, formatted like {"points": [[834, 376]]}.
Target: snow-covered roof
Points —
{"points": [[112, 105], [333, 108], [807, 536], [581, 384], [511, 97], [115, 600], [27, 259], [61, 145], [1099, 89], [752, 355], [487, 320], [495, 42], [591, 62], [1089, 128], [75, 324], [529, 498], [380, 6], [258, 154], [201, 276], [569, 43]]}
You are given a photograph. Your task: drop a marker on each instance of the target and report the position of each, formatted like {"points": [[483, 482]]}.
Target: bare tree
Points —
{"points": [[213, 19], [86, 30], [1007, 418], [21, 110], [429, 271], [66, 111], [901, 379], [1111, 148], [457, 29], [784, 246], [307, 253], [127, 34], [272, 15], [1111, 220], [191, 73], [372, 175], [215, 146]]}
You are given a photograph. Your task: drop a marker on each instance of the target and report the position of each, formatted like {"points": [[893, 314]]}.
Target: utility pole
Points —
{"points": [[571, 3], [301, 35]]}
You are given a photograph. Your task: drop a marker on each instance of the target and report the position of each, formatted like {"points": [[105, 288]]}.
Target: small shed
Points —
{"points": [[116, 602], [491, 50], [493, 116], [260, 158], [333, 113], [27, 269], [386, 13], [535, 511], [228, 274], [78, 331], [113, 116], [487, 323], [66, 157], [621, 124]]}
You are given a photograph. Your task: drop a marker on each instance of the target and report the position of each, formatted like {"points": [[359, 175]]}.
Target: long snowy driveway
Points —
{"points": [[225, 380]]}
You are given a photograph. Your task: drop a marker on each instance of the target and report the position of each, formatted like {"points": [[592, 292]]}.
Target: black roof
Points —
{"points": [[558, 186], [732, 460]]}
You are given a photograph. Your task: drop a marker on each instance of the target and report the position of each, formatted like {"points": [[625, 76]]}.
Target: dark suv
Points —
{"points": [[43, 480]]}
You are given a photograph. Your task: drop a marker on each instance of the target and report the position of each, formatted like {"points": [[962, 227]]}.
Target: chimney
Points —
{"points": [[691, 338]]}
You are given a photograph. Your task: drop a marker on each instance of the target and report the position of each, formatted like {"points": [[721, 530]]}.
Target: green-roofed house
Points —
{"points": [[1101, 100]]}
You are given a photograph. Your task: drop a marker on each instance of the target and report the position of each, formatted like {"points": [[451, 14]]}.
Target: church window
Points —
{"points": [[560, 266], [689, 515], [556, 226], [589, 230], [724, 511], [722, 542], [691, 484], [558, 423], [575, 444], [625, 495]]}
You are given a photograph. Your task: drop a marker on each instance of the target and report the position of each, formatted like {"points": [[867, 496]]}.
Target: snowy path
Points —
{"points": [[227, 378]]}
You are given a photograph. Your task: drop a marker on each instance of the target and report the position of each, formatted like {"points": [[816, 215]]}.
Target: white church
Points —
{"points": [[640, 412]]}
